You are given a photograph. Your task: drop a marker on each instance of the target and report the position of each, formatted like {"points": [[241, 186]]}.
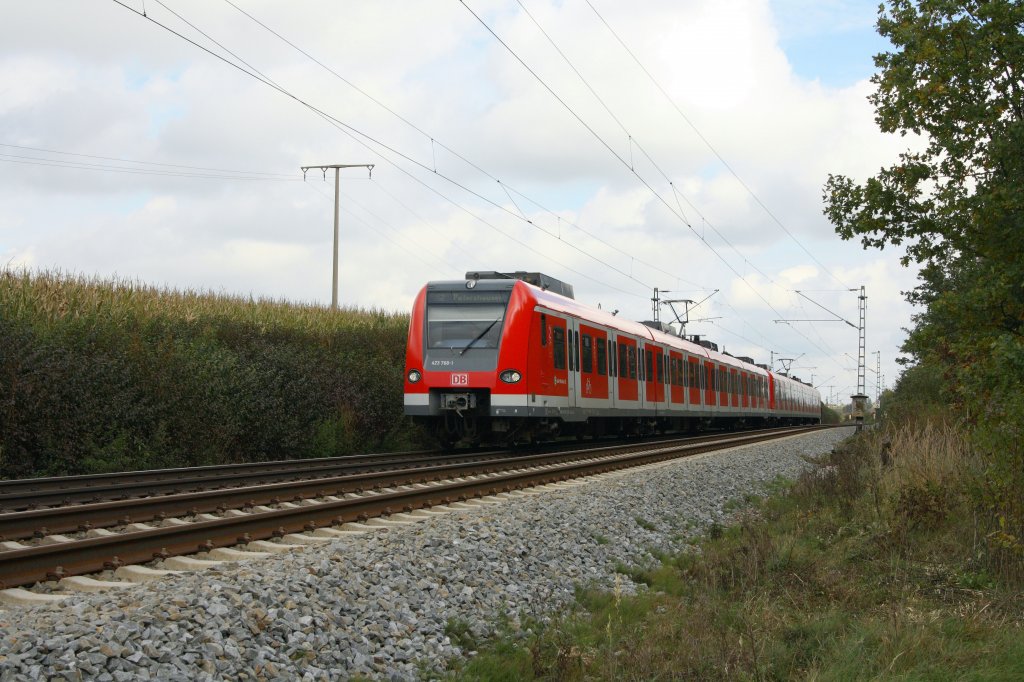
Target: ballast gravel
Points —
{"points": [[379, 604]]}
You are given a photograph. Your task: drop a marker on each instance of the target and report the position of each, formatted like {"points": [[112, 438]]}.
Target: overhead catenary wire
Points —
{"points": [[633, 141], [352, 132], [711, 147], [623, 161], [434, 142]]}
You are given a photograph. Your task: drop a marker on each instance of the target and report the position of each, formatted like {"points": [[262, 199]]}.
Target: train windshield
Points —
{"points": [[464, 321]]}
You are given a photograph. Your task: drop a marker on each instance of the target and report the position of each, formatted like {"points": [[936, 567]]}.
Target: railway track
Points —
{"points": [[301, 507], [38, 493]]}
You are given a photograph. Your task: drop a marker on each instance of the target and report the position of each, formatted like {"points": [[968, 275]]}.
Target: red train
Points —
{"points": [[513, 357]]}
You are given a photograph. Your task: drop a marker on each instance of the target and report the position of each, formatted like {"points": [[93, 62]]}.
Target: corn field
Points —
{"points": [[116, 375]]}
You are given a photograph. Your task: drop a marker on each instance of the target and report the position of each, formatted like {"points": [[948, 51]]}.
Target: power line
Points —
{"points": [[618, 156], [352, 131], [281, 176], [416, 256], [711, 147], [78, 165], [634, 141], [434, 141]]}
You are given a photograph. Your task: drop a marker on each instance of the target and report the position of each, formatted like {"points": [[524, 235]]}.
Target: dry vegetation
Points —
{"points": [[876, 564]]}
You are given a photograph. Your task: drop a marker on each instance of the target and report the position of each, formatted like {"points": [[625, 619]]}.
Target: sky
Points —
{"points": [[677, 144]]}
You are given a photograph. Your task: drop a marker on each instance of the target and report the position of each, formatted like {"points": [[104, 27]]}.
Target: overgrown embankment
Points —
{"points": [[102, 376], [879, 563]]}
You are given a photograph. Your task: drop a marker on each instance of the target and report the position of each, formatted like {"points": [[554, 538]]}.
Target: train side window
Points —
{"points": [[558, 340], [631, 362], [660, 368], [649, 364], [623, 361], [576, 348], [572, 354], [543, 329], [612, 358], [602, 357], [587, 364]]}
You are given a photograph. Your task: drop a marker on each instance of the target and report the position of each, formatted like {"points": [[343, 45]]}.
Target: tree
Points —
{"points": [[955, 81]]}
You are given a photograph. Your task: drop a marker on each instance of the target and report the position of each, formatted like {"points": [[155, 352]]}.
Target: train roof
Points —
{"points": [[558, 303]]}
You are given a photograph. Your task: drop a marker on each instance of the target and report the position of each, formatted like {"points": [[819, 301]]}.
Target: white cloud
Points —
{"points": [[108, 83]]}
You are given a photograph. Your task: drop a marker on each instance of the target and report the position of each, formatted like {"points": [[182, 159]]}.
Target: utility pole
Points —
{"points": [[878, 377], [860, 398], [337, 181]]}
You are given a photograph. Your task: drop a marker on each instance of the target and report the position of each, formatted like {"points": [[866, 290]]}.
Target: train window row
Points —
{"points": [[589, 354]]}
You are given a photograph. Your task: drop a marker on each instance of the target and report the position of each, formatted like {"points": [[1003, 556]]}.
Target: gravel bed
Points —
{"points": [[379, 604]]}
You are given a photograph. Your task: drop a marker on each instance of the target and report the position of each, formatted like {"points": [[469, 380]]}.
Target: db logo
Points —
{"points": [[460, 380]]}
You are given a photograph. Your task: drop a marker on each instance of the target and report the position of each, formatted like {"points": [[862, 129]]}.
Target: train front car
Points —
{"points": [[466, 358]]}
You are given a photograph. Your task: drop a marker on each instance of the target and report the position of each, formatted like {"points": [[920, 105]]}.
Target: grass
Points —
{"points": [[871, 566]]}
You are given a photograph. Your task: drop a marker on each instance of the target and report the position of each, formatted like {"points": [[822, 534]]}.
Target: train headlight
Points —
{"points": [[414, 376], [511, 376]]}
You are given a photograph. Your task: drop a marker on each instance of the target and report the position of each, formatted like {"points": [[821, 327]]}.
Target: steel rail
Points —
{"points": [[32, 493], [28, 494], [20, 525], [35, 564]]}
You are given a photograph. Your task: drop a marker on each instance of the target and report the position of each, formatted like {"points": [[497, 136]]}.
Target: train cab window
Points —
{"points": [[543, 329], [558, 341], [631, 362], [602, 357], [587, 359]]}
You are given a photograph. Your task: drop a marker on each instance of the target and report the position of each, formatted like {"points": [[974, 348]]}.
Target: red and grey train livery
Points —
{"points": [[513, 357]]}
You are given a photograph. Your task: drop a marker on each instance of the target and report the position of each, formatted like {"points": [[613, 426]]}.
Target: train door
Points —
{"points": [[613, 370], [664, 372], [593, 367], [650, 354], [693, 374], [678, 394], [572, 333], [710, 399], [548, 365], [626, 364]]}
